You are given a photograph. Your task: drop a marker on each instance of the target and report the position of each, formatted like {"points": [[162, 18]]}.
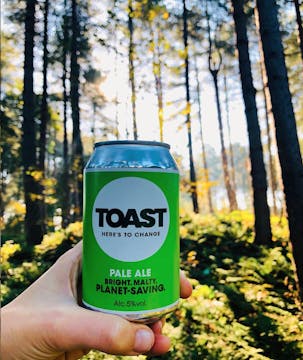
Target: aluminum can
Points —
{"points": [[131, 230]]}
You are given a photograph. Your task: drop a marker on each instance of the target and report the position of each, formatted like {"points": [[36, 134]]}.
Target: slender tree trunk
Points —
{"points": [[117, 90], [2, 182], [65, 173], [131, 67], [77, 149], [160, 92], [214, 69], [44, 109], [258, 173], [300, 27], [157, 71], [93, 128], [43, 116], [204, 158], [286, 131], [33, 221], [272, 171], [268, 118], [230, 191], [231, 152], [193, 180]]}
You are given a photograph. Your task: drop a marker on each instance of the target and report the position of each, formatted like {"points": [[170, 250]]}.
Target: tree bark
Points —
{"points": [[157, 71], [268, 119], [131, 67], [300, 27], [44, 116], [77, 149], [231, 152], [214, 70], [65, 173], [204, 157], [286, 131], [44, 109], [230, 191], [258, 173], [33, 221], [193, 180]]}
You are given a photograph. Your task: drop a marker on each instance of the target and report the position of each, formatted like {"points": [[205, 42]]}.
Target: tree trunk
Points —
{"points": [[43, 115], [268, 119], [230, 191], [204, 158], [286, 131], [300, 27], [77, 149], [231, 152], [258, 173], [44, 109], [33, 221], [193, 180], [214, 70], [157, 71], [131, 67], [117, 89], [93, 128], [65, 173]]}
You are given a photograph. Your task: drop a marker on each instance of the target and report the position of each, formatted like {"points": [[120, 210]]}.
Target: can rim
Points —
{"points": [[132, 142]]}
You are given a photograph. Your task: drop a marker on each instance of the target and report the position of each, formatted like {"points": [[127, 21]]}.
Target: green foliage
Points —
{"points": [[243, 305], [246, 303]]}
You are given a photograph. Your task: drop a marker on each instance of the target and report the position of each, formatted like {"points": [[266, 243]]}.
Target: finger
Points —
{"points": [[71, 256], [72, 355], [59, 280], [161, 345], [65, 271], [157, 327], [185, 286], [82, 328]]}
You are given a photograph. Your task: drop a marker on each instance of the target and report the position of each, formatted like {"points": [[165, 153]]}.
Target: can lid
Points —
{"points": [[132, 142]]}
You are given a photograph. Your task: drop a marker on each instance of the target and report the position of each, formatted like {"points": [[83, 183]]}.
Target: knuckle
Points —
{"points": [[120, 338]]}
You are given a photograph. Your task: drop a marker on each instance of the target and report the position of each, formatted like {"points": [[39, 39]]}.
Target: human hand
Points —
{"points": [[46, 321]]}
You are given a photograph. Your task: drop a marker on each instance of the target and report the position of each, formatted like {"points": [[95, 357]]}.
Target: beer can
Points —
{"points": [[131, 230]]}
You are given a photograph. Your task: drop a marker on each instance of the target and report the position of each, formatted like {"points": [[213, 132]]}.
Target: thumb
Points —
{"points": [[81, 328]]}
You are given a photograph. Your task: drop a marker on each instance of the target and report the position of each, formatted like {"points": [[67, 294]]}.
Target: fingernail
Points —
{"points": [[144, 341]]}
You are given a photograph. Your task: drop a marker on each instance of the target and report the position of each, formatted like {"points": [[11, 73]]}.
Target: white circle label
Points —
{"points": [[130, 218]]}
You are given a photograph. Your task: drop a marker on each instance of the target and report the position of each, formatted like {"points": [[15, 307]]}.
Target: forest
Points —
{"points": [[222, 83]]}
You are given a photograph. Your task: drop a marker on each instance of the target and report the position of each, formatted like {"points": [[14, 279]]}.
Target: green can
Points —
{"points": [[131, 230]]}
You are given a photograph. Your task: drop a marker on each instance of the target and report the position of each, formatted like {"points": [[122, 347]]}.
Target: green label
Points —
{"points": [[131, 240]]}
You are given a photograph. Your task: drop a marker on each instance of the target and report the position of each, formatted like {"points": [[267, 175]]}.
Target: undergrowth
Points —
{"points": [[244, 303]]}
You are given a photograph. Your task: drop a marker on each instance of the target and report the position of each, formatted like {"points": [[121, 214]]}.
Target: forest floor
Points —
{"points": [[244, 303]]}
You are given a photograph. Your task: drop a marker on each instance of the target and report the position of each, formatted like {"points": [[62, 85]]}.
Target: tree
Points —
{"points": [[268, 120], [91, 89], [258, 173], [231, 151], [65, 172], [77, 148], [156, 39], [44, 109], [300, 27], [286, 132], [131, 55], [33, 221], [43, 115], [204, 156], [10, 131], [193, 180], [214, 66]]}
